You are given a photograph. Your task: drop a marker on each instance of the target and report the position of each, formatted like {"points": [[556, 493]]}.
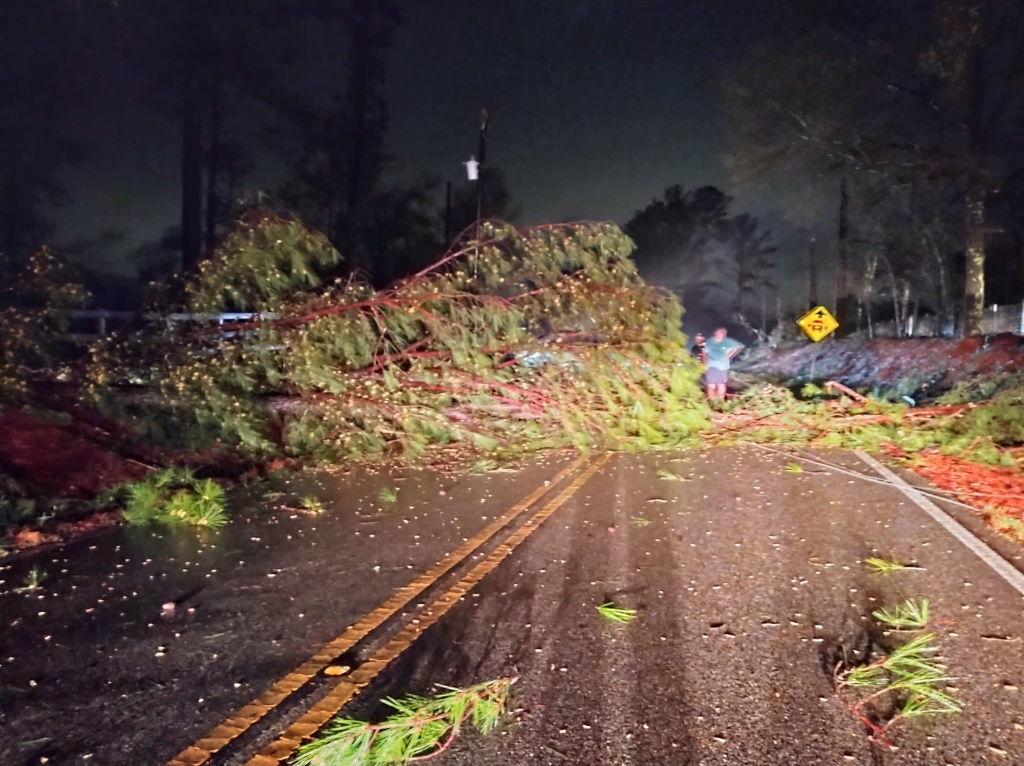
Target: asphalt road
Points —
{"points": [[748, 581]]}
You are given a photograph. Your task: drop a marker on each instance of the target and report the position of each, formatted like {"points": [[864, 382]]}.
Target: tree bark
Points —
{"points": [[974, 281], [945, 312], [870, 269], [358, 103], [214, 151]]}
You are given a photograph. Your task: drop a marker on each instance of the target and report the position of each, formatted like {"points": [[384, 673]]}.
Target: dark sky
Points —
{"points": [[597, 106]]}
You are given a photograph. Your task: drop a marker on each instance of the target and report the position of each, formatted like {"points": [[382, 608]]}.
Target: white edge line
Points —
{"points": [[1001, 566]]}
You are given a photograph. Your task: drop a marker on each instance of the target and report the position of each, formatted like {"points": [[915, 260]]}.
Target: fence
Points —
{"points": [[997, 319], [90, 325], [1003, 319]]}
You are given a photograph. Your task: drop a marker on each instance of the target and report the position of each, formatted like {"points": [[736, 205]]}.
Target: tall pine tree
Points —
{"points": [[200, 62], [41, 67]]}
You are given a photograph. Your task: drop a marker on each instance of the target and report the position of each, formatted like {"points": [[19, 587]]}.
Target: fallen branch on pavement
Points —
{"points": [[420, 728]]}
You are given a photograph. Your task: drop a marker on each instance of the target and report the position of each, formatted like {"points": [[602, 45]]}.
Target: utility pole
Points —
{"points": [[481, 157], [842, 307], [448, 215], [812, 275]]}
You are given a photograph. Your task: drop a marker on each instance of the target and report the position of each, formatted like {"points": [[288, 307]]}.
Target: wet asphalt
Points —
{"points": [[748, 581], [94, 670]]}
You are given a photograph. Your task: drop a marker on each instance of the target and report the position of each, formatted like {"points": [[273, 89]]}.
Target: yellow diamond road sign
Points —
{"points": [[818, 323]]}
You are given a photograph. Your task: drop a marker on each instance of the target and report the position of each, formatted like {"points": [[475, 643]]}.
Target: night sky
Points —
{"points": [[596, 106]]}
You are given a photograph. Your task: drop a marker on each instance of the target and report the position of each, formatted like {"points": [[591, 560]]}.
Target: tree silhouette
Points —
{"points": [[925, 98], [749, 260], [337, 152], [39, 82], [199, 62], [674, 236]]}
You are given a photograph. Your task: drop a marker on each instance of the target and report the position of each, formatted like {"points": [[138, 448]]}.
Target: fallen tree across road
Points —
{"points": [[519, 340]]}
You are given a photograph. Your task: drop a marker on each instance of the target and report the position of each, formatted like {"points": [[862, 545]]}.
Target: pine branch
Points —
{"points": [[419, 728]]}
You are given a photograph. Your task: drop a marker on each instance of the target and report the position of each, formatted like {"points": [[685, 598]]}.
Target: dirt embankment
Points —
{"points": [[63, 470], [53, 458], [904, 364]]}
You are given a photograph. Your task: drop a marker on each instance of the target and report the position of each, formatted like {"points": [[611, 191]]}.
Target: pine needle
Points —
{"points": [[387, 495], [418, 728], [667, 475], [174, 496], [639, 521], [907, 683], [886, 566], [613, 613], [909, 615], [33, 581], [311, 504], [793, 467]]}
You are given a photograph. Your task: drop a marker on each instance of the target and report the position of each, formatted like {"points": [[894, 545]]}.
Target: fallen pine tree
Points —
{"points": [[517, 340]]}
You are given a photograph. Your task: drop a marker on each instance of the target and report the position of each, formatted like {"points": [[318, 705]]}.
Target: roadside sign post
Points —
{"points": [[818, 323]]}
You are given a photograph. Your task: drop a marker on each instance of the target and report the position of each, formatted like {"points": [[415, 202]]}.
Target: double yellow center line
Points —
{"points": [[206, 748]]}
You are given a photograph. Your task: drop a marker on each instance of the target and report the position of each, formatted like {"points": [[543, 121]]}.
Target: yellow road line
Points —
{"points": [[200, 751], [322, 712]]}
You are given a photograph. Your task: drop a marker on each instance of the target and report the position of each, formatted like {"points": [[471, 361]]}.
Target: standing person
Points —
{"points": [[697, 351], [719, 351]]}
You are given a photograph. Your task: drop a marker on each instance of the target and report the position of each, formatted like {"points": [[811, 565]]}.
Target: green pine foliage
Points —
{"points": [[32, 320], [975, 434], [523, 339], [615, 613], [908, 615], [909, 682], [175, 497], [418, 727], [1000, 420], [16, 507]]}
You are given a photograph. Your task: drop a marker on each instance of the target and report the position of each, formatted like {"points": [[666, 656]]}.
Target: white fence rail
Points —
{"points": [[996, 320], [1003, 319], [98, 323]]}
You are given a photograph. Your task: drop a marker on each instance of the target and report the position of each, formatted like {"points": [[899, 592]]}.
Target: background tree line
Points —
{"points": [[903, 118], [721, 265], [211, 69], [895, 121]]}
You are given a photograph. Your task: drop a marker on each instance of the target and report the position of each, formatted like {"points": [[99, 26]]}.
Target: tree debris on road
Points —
{"points": [[514, 341]]}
